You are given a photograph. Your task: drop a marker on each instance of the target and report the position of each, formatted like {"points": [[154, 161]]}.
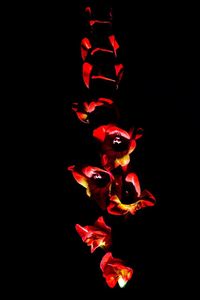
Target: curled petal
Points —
{"points": [[146, 199], [85, 46], [133, 178], [105, 100], [101, 132], [116, 207], [112, 129], [132, 146], [81, 179]]}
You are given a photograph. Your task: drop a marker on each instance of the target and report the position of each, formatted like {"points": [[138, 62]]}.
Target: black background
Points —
{"points": [[159, 92]]}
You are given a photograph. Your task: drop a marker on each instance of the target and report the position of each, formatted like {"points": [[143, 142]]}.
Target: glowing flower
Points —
{"points": [[139, 199], [117, 144], [114, 270], [95, 236], [96, 181], [83, 111]]}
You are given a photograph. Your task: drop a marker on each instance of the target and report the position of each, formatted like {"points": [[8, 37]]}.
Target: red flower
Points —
{"points": [[83, 111], [140, 199], [96, 181], [117, 145], [95, 236], [115, 271]]}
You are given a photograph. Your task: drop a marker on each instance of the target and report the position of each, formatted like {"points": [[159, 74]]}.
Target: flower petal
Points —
{"points": [[133, 178], [119, 70], [115, 207], [122, 161], [132, 146], [100, 133], [147, 199], [112, 129], [111, 280], [100, 50], [95, 236], [100, 223], [89, 171], [114, 270], [81, 179], [105, 100], [87, 69], [85, 46], [82, 117], [139, 133], [82, 231], [107, 257], [114, 43]]}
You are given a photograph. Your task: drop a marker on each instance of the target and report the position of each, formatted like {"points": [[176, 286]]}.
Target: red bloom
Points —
{"points": [[96, 181], [83, 111], [140, 199], [114, 270], [117, 144], [95, 236]]}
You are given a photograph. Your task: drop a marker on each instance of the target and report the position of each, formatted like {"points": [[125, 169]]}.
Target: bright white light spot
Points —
{"points": [[122, 282]]}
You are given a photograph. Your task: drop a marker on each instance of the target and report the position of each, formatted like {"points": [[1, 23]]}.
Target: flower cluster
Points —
{"points": [[112, 185]]}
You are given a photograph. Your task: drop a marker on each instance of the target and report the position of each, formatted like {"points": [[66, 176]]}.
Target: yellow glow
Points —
{"points": [[102, 244], [123, 161], [122, 282]]}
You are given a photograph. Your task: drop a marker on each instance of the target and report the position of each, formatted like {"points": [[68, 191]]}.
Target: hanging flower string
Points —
{"points": [[99, 52]]}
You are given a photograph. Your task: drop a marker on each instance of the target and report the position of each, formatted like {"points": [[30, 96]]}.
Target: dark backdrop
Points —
{"points": [[159, 92]]}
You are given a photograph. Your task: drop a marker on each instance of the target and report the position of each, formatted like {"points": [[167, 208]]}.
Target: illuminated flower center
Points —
{"points": [[119, 143], [122, 282], [100, 179], [124, 277]]}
